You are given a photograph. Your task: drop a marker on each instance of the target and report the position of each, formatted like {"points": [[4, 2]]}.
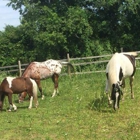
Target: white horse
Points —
{"points": [[119, 67]]}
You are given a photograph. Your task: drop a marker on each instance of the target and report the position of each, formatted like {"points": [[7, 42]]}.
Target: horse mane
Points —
{"points": [[135, 54], [69, 64], [27, 67]]}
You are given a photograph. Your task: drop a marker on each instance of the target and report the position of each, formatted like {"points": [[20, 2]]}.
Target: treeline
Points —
{"points": [[53, 28]]}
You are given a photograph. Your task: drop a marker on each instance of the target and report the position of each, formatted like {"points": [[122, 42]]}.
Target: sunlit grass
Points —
{"points": [[80, 111]]}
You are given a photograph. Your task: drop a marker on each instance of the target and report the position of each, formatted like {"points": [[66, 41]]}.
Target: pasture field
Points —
{"points": [[79, 112]]}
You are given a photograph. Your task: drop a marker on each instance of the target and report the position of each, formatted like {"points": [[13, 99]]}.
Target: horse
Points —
{"points": [[120, 66], [16, 85], [43, 70]]}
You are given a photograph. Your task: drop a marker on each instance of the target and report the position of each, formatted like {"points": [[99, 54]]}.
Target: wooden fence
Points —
{"points": [[76, 62]]}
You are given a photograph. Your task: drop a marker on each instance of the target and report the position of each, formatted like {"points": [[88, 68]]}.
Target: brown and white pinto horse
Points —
{"points": [[43, 70], [119, 67], [13, 85]]}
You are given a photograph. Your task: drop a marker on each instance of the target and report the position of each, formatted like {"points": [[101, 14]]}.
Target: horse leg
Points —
{"points": [[15, 107], [38, 82], [55, 81], [131, 86], [36, 101], [31, 100], [1, 101], [123, 87], [10, 102], [107, 92]]}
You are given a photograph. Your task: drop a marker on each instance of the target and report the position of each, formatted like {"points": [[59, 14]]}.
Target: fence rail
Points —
{"points": [[75, 61]]}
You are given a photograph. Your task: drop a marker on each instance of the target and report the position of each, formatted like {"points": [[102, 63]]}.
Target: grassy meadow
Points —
{"points": [[79, 112]]}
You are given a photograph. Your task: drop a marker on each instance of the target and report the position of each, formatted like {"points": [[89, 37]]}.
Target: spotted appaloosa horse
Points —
{"points": [[43, 70], [120, 66], [13, 85]]}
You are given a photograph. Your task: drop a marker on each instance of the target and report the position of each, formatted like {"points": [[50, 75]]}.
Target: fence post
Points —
{"points": [[68, 59], [19, 67], [121, 49]]}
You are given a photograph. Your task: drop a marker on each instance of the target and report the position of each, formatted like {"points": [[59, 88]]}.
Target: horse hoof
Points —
{"points": [[36, 105], [53, 96], [42, 97], [109, 102], [20, 101], [109, 105], [9, 110]]}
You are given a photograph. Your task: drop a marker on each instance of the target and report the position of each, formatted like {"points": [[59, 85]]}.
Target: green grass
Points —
{"points": [[79, 112]]}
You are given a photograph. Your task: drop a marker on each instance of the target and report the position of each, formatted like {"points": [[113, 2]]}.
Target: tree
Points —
{"points": [[114, 22], [52, 28], [9, 45]]}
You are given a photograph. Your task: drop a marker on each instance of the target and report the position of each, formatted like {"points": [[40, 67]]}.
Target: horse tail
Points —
{"points": [[135, 54], [35, 89], [69, 64]]}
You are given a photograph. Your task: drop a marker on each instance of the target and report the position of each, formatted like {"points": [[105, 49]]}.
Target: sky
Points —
{"points": [[8, 16]]}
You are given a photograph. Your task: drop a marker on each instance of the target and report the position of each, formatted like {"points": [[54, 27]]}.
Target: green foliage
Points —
{"points": [[51, 29], [78, 31], [10, 45]]}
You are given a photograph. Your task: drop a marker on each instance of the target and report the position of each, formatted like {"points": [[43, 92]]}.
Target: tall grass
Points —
{"points": [[80, 111]]}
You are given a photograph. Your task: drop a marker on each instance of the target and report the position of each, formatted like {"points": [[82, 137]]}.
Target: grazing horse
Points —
{"points": [[43, 70], [119, 67], [13, 85]]}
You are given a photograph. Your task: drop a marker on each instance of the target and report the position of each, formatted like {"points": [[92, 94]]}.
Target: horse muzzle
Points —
{"points": [[20, 100]]}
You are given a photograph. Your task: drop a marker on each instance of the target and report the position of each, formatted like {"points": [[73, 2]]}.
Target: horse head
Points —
{"points": [[22, 96], [115, 95]]}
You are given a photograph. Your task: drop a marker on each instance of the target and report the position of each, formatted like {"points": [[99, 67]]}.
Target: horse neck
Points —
{"points": [[113, 77], [26, 72]]}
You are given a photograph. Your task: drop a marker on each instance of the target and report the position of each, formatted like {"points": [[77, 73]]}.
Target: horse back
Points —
{"points": [[20, 84], [133, 62], [120, 62], [4, 84], [41, 70]]}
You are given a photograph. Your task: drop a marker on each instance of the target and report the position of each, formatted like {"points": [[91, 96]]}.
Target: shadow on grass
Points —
{"points": [[100, 104]]}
